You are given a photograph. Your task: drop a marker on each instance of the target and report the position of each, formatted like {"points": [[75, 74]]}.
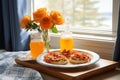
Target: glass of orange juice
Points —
{"points": [[36, 45], [66, 41]]}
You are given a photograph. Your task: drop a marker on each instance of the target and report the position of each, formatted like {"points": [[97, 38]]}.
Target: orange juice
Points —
{"points": [[66, 41], [36, 48]]}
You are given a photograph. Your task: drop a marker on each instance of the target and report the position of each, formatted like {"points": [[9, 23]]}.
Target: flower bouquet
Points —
{"points": [[43, 21]]}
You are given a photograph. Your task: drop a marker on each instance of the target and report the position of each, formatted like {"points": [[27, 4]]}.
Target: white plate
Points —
{"points": [[94, 58]]}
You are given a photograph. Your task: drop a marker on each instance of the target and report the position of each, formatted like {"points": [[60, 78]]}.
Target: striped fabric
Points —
{"points": [[9, 70]]}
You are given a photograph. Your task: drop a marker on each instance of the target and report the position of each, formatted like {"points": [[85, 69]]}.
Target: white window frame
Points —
{"points": [[30, 7], [115, 14]]}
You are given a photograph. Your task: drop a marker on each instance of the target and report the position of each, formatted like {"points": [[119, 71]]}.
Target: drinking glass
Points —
{"points": [[36, 45], [66, 41]]}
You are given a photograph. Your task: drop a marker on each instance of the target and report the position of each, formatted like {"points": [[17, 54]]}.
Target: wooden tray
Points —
{"points": [[80, 73]]}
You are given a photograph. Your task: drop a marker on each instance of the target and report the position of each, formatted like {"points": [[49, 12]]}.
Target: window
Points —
{"points": [[97, 36], [91, 17]]}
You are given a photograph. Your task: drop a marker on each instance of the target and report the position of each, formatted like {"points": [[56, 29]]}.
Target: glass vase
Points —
{"points": [[46, 39]]}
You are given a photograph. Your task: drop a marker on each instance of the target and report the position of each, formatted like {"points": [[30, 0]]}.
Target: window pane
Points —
{"points": [[82, 14], [94, 14]]}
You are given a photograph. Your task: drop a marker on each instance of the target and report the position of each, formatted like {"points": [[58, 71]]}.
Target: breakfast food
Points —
{"points": [[55, 58], [67, 53], [79, 58], [65, 57]]}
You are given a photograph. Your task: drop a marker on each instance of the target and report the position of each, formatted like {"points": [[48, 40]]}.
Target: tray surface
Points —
{"points": [[78, 73]]}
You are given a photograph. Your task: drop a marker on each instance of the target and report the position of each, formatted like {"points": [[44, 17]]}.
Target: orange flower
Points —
{"points": [[37, 15], [46, 22], [25, 21], [57, 17]]}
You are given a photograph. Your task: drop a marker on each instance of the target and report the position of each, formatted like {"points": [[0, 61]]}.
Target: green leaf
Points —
{"points": [[39, 30], [34, 26], [54, 29]]}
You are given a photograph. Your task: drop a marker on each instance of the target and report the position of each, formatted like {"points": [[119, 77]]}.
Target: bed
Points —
{"points": [[9, 70]]}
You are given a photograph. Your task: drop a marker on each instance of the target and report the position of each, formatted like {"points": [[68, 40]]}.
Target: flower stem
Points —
{"points": [[46, 40]]}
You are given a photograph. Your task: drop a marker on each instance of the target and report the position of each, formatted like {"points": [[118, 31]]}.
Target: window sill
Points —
{"points": [[89, 37]]}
